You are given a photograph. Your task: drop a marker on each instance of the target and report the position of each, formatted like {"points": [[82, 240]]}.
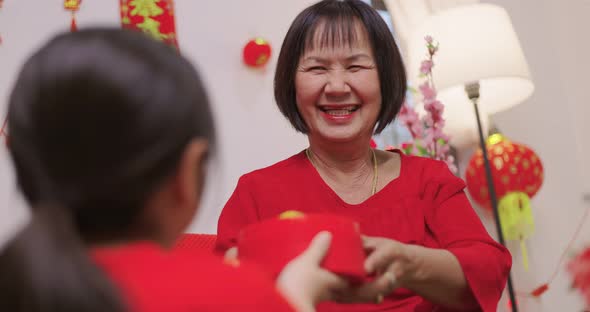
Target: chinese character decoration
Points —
{"points": [[518, 175], [73, 6], [153, 17]]}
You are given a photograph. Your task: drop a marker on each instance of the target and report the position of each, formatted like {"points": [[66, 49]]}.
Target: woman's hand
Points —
{"points": [[304, 283], [434, 274], [391, 262]]}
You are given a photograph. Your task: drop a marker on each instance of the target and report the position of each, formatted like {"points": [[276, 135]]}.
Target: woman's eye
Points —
{"points": [[354, 68], [317, 69]]}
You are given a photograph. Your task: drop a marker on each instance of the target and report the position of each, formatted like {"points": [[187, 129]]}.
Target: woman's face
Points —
{"points": [[337, 89]]}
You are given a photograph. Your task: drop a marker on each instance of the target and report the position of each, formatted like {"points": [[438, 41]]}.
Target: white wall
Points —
{"points": [[252, 132]]}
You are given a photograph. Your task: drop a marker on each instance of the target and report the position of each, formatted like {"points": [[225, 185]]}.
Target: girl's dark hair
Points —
{"points": [[98, 119], [337, 20]]}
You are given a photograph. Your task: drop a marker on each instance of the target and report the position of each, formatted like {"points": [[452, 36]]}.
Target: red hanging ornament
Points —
{"points": [[73, 26], [256, 52], [73, 6], [515, 168], [517, 174]]}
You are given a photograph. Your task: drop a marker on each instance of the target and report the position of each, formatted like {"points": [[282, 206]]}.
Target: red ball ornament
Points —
{"points": [[256, 52], [515, 168]]}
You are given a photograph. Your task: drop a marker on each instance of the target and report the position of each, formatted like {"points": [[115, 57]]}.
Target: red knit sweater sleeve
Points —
{"points": [[239, 211], [457, 228]]}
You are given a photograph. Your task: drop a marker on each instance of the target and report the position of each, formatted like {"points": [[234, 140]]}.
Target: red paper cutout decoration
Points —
{"points": [[256, 52], [153, 17], [73, 6]]}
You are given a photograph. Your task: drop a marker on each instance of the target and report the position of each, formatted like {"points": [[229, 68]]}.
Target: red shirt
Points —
{"points": [[152, 279], [425, 205]]}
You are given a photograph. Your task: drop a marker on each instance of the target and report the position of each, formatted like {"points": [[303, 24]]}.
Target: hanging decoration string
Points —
{"points": [[541, 289]]}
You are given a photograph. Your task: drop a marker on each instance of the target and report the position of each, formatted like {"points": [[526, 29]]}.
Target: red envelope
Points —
{"points": [[272, 243]]}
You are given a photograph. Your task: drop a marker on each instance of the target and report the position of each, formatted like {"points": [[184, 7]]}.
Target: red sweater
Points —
{"points": [[151, 279], [425, 205]]}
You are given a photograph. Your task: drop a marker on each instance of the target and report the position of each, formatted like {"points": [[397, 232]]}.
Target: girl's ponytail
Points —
{"points": [[47, 268]]}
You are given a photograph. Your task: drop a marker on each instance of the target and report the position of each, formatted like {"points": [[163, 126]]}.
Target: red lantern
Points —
{"points": [[256, 52], [515, 168], [517, 173]]}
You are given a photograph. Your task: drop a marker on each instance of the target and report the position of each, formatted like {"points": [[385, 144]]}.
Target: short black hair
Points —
{"points": [[339, 18]]}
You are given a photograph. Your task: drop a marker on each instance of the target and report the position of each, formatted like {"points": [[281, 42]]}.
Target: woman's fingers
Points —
{"points": [[372, 292], [333, 283], [383, 255]]}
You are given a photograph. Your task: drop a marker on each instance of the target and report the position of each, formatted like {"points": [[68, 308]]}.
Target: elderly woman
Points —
{"points": [[339, 79]]}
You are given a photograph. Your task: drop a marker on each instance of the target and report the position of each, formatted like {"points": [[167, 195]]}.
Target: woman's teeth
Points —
{"points": [[341, 110]]}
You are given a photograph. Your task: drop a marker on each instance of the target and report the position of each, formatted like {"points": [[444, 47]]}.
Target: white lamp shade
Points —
{"points": [[477, 43]]}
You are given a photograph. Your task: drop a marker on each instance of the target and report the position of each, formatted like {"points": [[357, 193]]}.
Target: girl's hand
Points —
{"points": [[304, 282]]}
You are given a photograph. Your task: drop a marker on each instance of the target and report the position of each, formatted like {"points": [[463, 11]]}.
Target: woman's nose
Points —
{"points": [[337, 84]]}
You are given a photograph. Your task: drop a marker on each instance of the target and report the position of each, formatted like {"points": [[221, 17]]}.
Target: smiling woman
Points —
{"points": [[339, 80]]}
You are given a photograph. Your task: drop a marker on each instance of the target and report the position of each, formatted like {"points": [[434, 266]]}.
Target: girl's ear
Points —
{"points": [[190, 177]]}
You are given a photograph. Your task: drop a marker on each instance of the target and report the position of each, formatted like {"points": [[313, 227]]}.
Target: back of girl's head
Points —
{"points": [[98, 119]]}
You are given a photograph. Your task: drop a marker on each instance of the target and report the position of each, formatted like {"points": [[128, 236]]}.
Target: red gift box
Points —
{"points": [[272, 243]]}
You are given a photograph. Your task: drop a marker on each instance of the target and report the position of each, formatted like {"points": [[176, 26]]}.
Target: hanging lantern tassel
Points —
{"points": [[516, 219], [73, 26]]}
